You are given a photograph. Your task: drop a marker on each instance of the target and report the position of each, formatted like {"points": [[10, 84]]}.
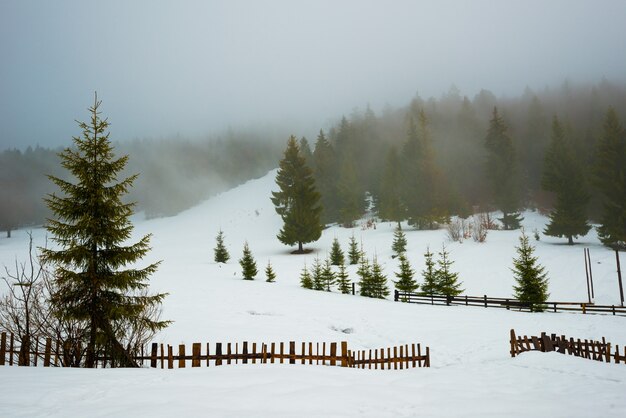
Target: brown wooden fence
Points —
{"points": [[162, 355], [508, 303], [589, 349]]}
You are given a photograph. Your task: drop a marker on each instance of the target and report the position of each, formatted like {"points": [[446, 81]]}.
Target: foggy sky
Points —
{"points": [[197, 67]]}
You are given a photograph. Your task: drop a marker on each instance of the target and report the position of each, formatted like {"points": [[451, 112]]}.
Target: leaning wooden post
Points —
{"points": [[587, 275], [593, 296], [344, 354], [513, 343], [619, 278]]}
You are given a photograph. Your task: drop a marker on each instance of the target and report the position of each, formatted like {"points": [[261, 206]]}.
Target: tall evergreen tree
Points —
{"points": [[325, 174], [350, 194], [406, 281], [220, 252], [91, 229], [269, 273], [336, 253], [502, 172], [305, 151], [297, 202], [354, 254], [563, 175], [531, 278], [306, 280], [343, 281], [429, 274], [447, 281], [399, 242], [247, 263], [390, 205], [610, 179]]}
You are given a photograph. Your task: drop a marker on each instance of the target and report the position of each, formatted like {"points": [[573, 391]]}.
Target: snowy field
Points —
{"points": [[472, 373]]}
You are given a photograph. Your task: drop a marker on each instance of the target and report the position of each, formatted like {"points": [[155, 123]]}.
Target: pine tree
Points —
{"points": [[350, 194], [336, 253], [269, 273], [305, 151], [447, 281], [563, 175], [364, 272], [343, 282], [354, 255], [379, 281], [247, 263], [328, 275], [305, 279], [430, 285], [390, 205], [317, 276], [325, 174], [399, 242], [91, 227], [220, 251], [297, 202], [531, 278], [502, 171], [406, 282], [610, 179]]}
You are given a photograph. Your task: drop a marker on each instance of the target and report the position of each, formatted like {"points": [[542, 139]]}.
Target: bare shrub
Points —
{"points": [[480, 228], [455, 229]]}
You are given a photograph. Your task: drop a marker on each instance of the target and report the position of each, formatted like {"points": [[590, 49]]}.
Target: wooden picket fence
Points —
{"points": [[589, 349], [507, 303], [161, 355]]}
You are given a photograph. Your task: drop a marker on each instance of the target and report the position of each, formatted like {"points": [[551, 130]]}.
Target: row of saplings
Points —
{"points": [[438, 279]]}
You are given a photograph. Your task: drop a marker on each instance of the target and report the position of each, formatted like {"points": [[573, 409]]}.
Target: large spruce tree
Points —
{"points": [[610, 179], [563, 175], [502, 171], [297, 201], [92, 227], [325, 174]]}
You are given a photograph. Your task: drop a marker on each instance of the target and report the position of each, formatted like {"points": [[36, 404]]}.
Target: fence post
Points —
{"points": [[292, 352], [344, 354], [333, 354], [513, 343], [353, 288], [218, 354], [3, 347], [485, 298], [195, 354], [153, 355], [181, 356], [244, 352], [507, 305], [396, 296]]}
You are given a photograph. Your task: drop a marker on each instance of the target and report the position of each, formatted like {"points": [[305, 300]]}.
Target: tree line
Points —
{"points": [[562, 152]]}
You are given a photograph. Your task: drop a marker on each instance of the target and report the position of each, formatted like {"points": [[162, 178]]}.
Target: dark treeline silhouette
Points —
{"points": [[174, 175], [438, 157]]}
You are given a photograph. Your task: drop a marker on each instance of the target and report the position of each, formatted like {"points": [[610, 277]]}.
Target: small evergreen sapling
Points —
{"points": [[406, 282], [220, 251], [305, 279], [269, 273], [317, 277], [336, 254], [379, 281], [447, 281], [365, 277], [429, 287], [343, 282], [399, 242], [328, 275], [531, 278], [354, 255], [247, 263]]}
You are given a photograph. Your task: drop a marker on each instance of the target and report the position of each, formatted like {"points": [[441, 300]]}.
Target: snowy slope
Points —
{"points": [[472, 373]]}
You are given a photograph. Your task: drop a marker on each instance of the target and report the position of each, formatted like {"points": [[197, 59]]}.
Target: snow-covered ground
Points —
{"points": [[472, 373]]}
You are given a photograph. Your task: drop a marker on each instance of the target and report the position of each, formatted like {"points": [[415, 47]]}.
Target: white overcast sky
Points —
{"points": [[195, 67]]}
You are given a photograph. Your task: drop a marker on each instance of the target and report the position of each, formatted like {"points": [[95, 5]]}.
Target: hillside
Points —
{"points": [[471, 364]]}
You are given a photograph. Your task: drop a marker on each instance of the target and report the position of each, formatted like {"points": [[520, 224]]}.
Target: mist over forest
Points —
{"points": [[176, 174]]}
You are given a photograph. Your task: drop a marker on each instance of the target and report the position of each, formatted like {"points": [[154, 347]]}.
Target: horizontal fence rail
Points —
{"points": [[589, 349], [508, 303], [162, 355]]}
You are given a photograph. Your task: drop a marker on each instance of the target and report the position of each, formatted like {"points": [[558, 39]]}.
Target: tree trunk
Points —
{"points": [[300, 249], [570, 240], [91, 346], [9, 233]]}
